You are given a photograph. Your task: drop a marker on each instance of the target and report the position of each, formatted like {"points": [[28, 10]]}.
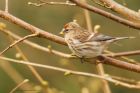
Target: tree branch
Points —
{"points": [[31, 28], [67, 72], [51, 3], [19, 85], [106, 14], [127, 13], [18, 41], [120, 64], [129, 53]]}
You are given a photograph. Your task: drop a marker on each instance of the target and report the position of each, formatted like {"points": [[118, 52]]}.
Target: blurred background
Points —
{"points": [[51, 18]]}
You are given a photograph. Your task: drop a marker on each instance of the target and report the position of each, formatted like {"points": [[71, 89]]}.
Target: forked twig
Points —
{"points": [[19, 85], [18, 41]]}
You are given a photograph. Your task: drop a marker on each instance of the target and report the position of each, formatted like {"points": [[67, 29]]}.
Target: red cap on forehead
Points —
{"points": [[66, 25]]}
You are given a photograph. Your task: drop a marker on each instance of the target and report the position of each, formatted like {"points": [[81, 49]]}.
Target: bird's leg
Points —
{"points": [[82, 59], [72, 54]]}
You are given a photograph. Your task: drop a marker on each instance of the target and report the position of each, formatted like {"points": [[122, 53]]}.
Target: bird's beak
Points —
{"points": [[62, 32]]}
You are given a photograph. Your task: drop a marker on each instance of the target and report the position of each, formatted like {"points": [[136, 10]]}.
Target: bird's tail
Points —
{"points": [[120, 38]]}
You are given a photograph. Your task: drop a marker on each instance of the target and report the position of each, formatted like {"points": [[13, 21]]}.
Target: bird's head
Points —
{"points": [[69, 27]]}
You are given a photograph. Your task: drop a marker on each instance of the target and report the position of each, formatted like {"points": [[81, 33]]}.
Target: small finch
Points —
{"points": [[85, 44]]}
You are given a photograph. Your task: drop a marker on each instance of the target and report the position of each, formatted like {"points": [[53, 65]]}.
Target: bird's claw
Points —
{"points": [[72, 54], [82, 59]]}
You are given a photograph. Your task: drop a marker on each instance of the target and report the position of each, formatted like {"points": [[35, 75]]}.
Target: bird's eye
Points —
{"points": [[66, 30]]}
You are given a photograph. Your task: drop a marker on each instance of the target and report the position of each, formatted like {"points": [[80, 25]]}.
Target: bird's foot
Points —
{"points": [[82, 59], [72, 54]]}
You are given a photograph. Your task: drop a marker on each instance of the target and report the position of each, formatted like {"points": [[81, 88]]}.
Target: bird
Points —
{"points": [[84, 43]]}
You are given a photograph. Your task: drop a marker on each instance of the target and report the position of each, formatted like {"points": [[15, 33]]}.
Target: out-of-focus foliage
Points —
{"points": [[52, 18]]}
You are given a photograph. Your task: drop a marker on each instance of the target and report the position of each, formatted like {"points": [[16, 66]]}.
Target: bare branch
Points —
{"points": [[129, 53], [120, 64], [130, 60], [106, 14], [19, 85], [72, 72], [18, 41], [131, 81], [31, 28], [6, 5], [51, 3], [126, 12]]}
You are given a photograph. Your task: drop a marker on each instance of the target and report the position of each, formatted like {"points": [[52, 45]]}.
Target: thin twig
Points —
{"points": [[18, 41], [123, 57], [88, 19], [71, 72], [6, 6], [129, 53], [51, 3], [19, 85], [131, 81]]}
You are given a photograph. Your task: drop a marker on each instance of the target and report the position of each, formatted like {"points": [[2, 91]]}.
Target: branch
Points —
{"points": [[19, 85], [6, 5], [130, 60], [127, 13], [120, 64], [131, 81], [106, 14], [67, 72], [129, 53], [51, 3], [18, 41], [31, 28]]}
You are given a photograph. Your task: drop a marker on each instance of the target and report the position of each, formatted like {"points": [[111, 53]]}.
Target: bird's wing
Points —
{"points": [[100, 37], [82, 35]]}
